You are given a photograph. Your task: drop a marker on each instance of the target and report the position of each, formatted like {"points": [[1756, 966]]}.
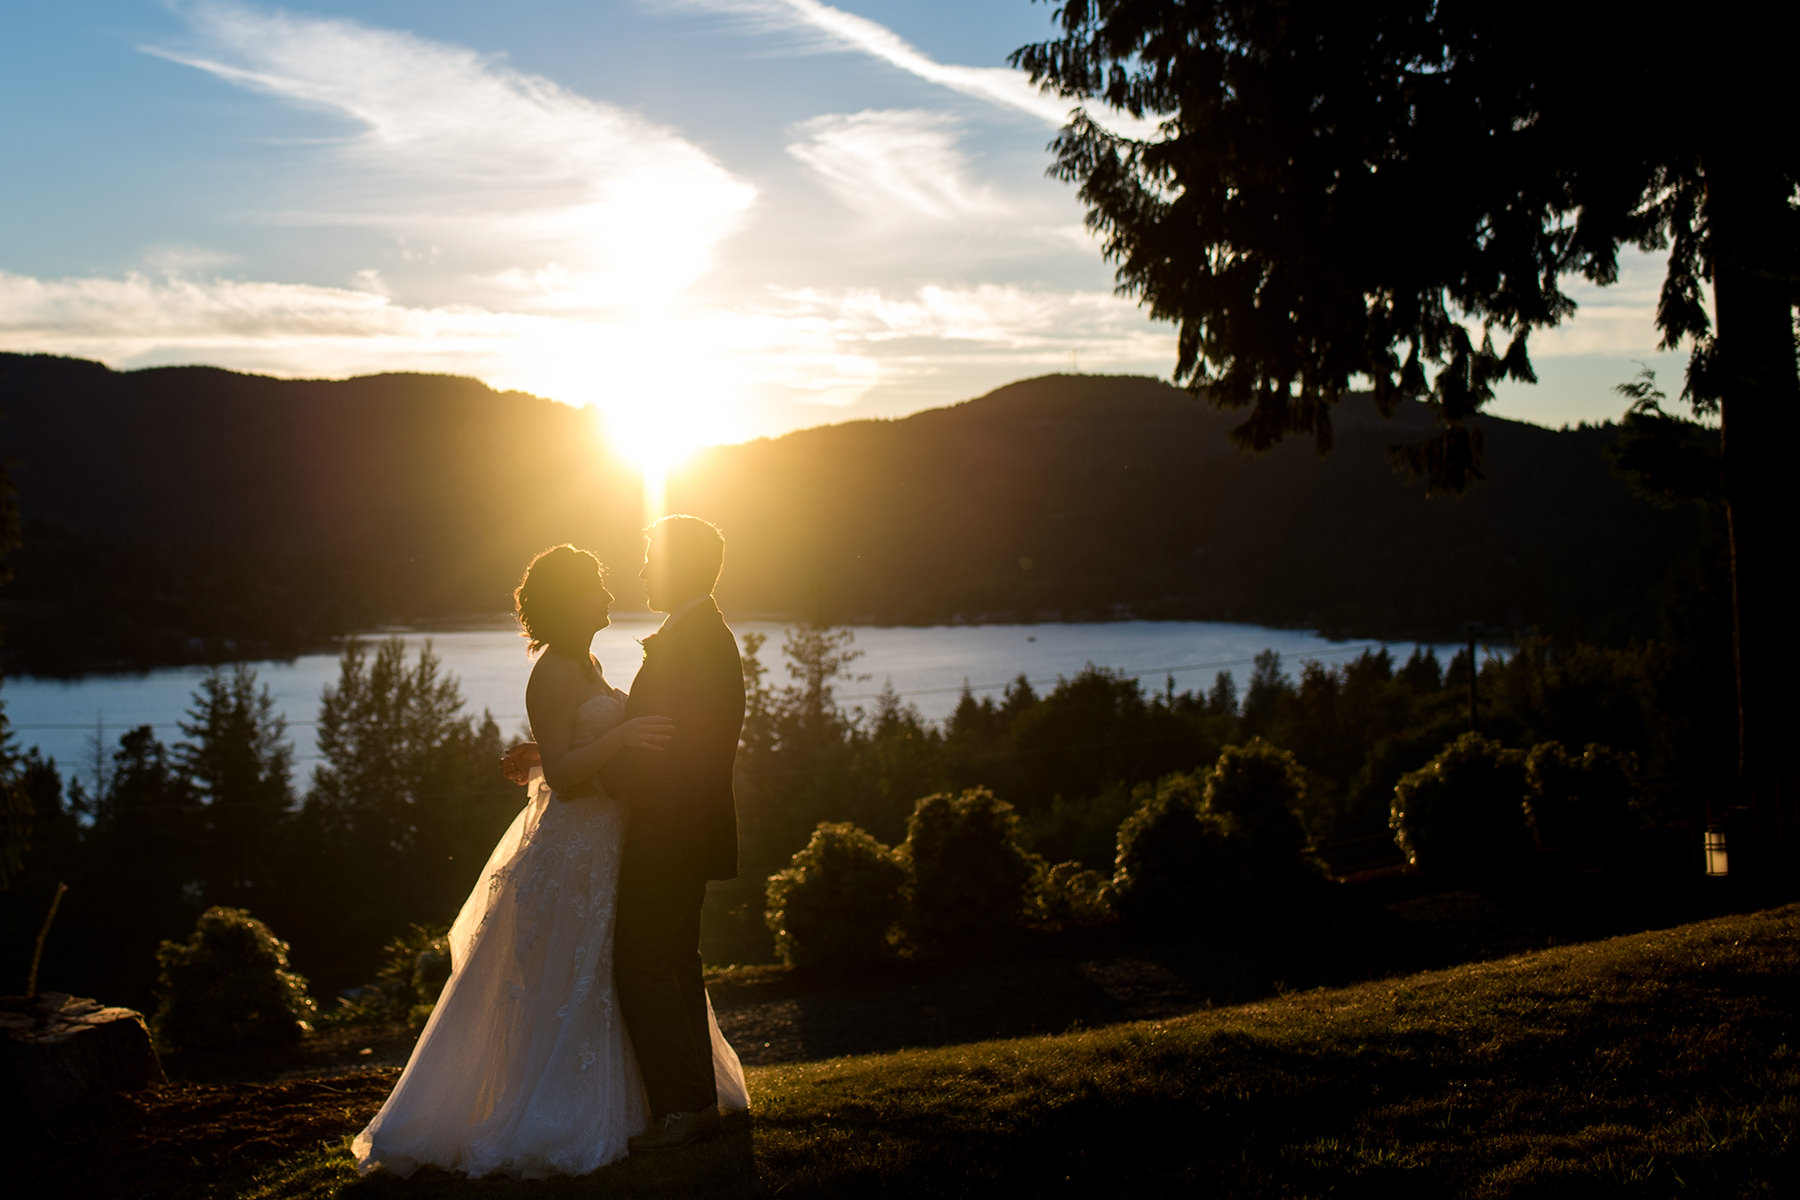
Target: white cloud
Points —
{"points": [[1025, 324], [181, 259], [508, 177], [1003, 87], [810, 347], [280, 327], [297, 330], [893, 163], [1617, 320], [369, 280]]}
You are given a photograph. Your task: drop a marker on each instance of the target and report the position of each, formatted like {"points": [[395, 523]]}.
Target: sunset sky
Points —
{"points": [[747, 215]]}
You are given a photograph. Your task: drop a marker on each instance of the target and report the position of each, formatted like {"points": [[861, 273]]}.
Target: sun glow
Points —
{"points": [[656, 400], [657, 437]]}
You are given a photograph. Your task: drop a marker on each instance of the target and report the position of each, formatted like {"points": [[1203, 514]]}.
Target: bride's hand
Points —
{"points": [[646, 733], [516, 764]]}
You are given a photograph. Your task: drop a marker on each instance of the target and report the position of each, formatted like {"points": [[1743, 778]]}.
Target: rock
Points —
{"points": [[58, 1051]]}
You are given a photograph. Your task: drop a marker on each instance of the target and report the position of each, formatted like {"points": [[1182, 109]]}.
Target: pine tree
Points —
{"points": [[401, 812], [143, 861], [238, 763]]}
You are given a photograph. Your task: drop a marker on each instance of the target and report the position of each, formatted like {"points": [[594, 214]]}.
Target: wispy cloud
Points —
{"points": [[554, 198], [1001, 86], [894, 163], [1025, 324], [288, 328]]}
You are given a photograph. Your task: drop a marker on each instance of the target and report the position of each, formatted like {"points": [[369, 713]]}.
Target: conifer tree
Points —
{"points": [[401, 813], [238, 762], [143, 859], [1354, 195], [15, 803]]}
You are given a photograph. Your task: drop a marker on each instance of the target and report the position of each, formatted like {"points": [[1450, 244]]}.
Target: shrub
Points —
{"points": [[1258, 789], [1463, 813], [1082, 829], [1215, 837], [972, 877], [1581, 803], [1175, 859], [1074, 895], [228, 985], [414, 969], [838, 903]]}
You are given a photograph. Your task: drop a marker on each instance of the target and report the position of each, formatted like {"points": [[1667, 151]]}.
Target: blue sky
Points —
{"points": [[730, 218]]}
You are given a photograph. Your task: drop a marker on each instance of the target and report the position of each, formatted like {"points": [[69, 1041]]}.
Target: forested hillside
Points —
{"points": [[176, 513], [1094, 496], [192, 513]]}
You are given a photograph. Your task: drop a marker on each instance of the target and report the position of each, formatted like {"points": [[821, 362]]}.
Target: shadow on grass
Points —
{"points": [[1387, 923], [1153, 1128], [1622, 1068]]}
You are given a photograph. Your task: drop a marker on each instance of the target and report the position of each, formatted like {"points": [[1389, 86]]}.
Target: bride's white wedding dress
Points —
{"points": [[525, 1067]]}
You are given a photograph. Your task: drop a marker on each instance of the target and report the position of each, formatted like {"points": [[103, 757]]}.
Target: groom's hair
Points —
{"points": [[692, 550]]}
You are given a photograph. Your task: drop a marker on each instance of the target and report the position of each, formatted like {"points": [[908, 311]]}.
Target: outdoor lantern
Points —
{"points": [[1715, 853]]}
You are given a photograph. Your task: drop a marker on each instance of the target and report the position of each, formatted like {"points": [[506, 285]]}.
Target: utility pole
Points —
{"points": [[1474, 673]]}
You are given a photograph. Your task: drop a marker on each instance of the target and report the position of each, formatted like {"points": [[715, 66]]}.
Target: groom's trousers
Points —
{"points": [[662, 994]]}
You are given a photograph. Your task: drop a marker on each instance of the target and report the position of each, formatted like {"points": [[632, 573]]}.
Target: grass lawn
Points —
{"points": [[1657, 1064]]}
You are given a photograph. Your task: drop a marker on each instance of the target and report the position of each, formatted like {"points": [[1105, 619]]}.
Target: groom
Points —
{"points": [[683, 828]]}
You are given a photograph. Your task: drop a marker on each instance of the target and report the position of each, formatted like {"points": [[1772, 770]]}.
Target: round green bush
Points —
{"points": [[838, 903], [1582, 803], [1463, 813], [1071, 894], [1258, 789], [1175, 859], [972, 877], [228, 985]]}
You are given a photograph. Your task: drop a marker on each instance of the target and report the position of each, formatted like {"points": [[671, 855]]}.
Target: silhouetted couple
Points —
{"points": [[575, 1025]]}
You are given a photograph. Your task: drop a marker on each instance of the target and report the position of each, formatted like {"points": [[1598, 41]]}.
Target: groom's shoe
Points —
{"points": [[678, 1129]]}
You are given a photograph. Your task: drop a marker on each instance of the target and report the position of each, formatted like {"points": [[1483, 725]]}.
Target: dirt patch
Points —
{"points": [[330, 1051], [176, 1138]]}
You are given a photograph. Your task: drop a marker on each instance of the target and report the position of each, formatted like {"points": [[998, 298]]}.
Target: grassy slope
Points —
{"points": [[1661, 1063]]}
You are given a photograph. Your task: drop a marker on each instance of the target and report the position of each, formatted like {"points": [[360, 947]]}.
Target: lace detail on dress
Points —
{"points": [[587, 830]]}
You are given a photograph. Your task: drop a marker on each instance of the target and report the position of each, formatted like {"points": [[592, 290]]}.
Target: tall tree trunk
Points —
{"points": [[1746, 208]]}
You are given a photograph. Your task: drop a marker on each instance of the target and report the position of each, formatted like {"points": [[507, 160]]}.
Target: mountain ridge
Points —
{"points": [[185, 512]]}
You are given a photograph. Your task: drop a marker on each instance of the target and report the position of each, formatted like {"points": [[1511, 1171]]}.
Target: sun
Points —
{"points": [[662, 422], [657, 436], [656, 402]]}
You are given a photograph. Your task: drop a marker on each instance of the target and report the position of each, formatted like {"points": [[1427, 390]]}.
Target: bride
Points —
{"points": [[525, 1067]]}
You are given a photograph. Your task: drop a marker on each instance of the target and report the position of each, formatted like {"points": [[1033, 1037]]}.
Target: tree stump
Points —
{"points": [[57, 1051]]}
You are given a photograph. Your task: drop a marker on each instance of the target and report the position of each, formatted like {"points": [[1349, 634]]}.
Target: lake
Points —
{"points": [[928, 666]]}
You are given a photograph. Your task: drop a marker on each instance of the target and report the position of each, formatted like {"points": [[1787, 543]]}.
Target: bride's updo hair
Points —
{"points": [[557, 580]]}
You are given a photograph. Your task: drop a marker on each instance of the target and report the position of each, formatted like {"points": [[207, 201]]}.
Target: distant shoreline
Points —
{"points": [[228, 654]]}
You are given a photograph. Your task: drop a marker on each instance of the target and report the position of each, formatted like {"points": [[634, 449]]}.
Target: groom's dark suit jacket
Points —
{"points": [[683, 815]]}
